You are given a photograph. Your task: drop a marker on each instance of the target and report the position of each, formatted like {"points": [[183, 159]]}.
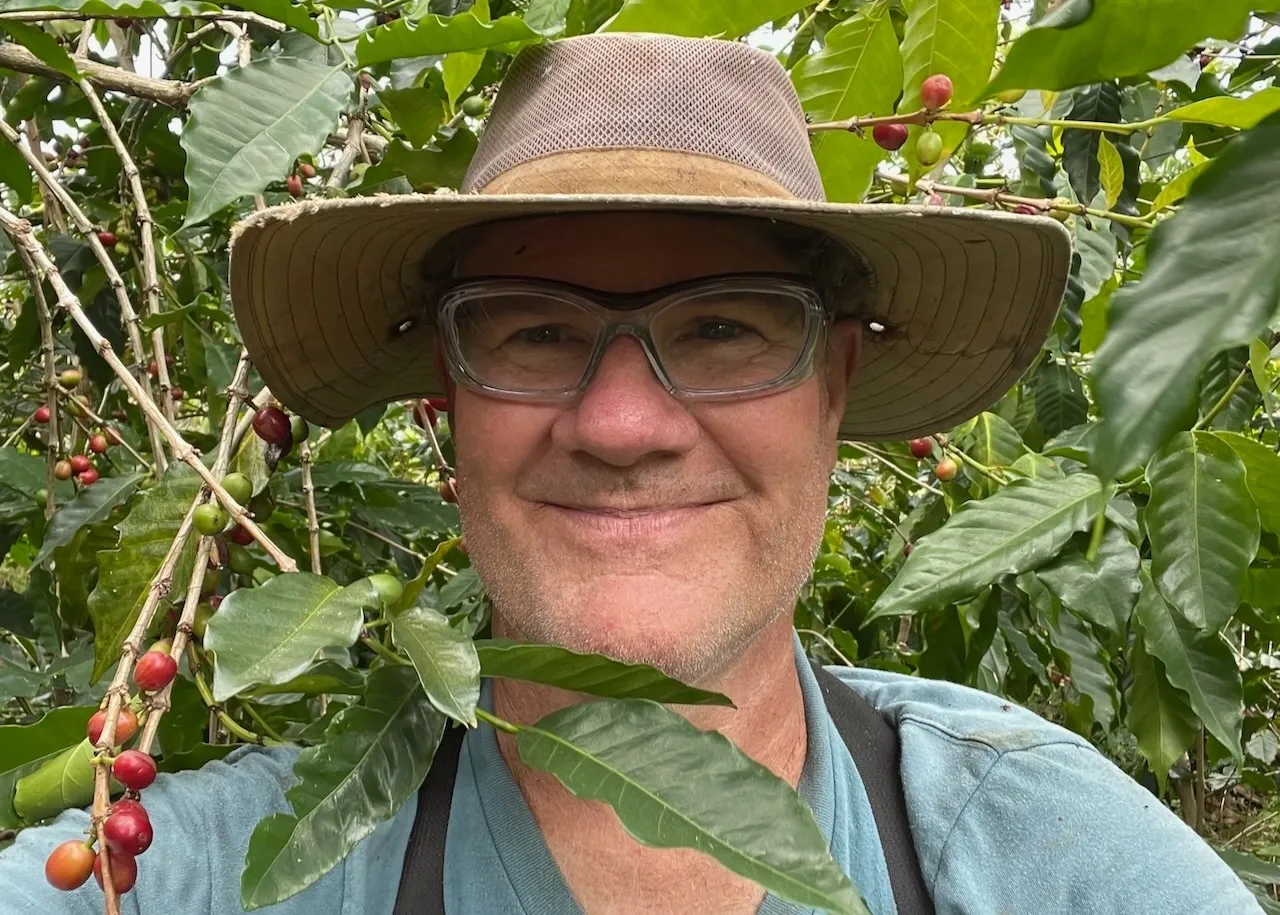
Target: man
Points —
{"points": [[652, 332]]}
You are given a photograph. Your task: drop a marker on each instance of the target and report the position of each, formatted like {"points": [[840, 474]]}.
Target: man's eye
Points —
{"points": [[718, 330], [544, 334]]}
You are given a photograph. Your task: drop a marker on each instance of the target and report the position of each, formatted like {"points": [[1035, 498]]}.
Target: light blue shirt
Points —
{"points": [[1010, 814]]}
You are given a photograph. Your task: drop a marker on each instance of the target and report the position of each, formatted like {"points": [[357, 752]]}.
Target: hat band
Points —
{"points": [[634, 171]]}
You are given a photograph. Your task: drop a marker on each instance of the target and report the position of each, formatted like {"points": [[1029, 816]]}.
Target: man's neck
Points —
{"points": [[607, 870]]}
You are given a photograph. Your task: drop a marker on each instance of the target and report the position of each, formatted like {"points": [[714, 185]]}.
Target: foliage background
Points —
{"points": [[1109, 553]]}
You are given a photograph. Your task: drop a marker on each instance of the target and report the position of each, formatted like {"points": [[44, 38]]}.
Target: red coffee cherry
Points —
{"points": [[936, 91], [946, 469], [126, 725], [108, 239], [80, 463], [240, 534], [89, 477], [134, 769], [128, 832], [62, 470], [920, 447], [42, 415], [271, 425], [98, 444], [124, 871], [69, 865], [154, 670], [889, 136]]}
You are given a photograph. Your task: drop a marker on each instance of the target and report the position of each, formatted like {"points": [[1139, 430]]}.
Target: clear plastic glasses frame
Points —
{"points": [[632, 314]]}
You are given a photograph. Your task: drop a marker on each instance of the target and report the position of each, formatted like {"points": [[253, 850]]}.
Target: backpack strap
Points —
{"points": [[871, 740], [421, 889], [873, 744]]}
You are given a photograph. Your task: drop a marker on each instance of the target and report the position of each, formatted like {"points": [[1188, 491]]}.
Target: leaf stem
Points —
{"points": [[1223, 401], [500, 723], [384, 652], [261, 722]]}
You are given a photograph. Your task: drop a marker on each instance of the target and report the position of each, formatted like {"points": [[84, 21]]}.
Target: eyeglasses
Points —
{"points": [[714, 338]]}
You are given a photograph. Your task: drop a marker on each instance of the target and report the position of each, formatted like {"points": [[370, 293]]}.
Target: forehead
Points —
{"points": [[625, 251]]}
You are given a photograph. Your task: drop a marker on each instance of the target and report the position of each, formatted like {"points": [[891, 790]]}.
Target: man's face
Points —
{"points": [[629, 522]]}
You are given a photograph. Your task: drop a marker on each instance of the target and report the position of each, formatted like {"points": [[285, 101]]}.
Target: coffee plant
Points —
{"points": [[188, 569]]}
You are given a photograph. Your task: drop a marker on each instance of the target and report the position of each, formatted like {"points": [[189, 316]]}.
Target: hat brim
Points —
{"points": [[966, 297]]}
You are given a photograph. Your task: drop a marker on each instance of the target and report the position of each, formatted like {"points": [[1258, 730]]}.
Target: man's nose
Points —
{"points": [[625, 414]]}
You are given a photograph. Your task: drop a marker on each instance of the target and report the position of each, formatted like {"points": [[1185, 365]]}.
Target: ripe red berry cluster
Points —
{"points": [[935, 93], [945, 469], [128, 833]]}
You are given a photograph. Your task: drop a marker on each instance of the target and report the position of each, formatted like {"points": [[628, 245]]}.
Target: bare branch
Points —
{"points": [[353, 147], [20, 233], [52, 437], [309, 496], [35, 160], [166, 92]]}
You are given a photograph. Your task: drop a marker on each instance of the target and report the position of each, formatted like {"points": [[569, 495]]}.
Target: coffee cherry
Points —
{"points": [[889, 136], [210, 519], [271, 425], [935, 92], [127, 832], [447, 491], [921, 447], [69, 865], [134, 769], [935, 200], [388, 587], [89, 477], [240, 535], [240, 560], [76, 405], [439, 404], [80, 463], [108, 239], [238, 486], [946, 469], [62, 470], [154, 670], [475, 106], [200, 622], [424, 414], [98, 444], [298, 429], [42, 415], [907, 548], [210, 583], [294, 184], [1026, 209], [130, 805], [126, 725], [308, 170], [177, 394], [84, 142], [928, 148], [153, 369], [124, 871], [1011, 96], [70, 378], [215, 601], [42, 496]]}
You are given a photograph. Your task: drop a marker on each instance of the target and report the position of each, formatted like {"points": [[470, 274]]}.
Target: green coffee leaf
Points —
{"points": [[445, 658], [1201, 666], [1103, 591], [125, 573], [248, 125], [91, 505], [444, 35], [1162, 331], [1159, 715], [1229, 111], [42, 45], [272, 633], [705, 19], [1203, 528], [375, 755], [25, 748], [1016, 529], [1091, 42], [593, 674], [1262, 475], [857, 72], [634, 756]]}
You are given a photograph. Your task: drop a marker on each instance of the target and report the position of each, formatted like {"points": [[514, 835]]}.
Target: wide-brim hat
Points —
{"points": [[334, 303]]}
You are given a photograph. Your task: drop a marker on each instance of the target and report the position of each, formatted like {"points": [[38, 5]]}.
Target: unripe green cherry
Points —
{"points": [[240, 560], [238, 486], [210, 519], [928, 148], [475, 106]]}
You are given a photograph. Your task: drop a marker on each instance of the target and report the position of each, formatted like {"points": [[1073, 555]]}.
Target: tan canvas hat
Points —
{"points": [[329, 295]]}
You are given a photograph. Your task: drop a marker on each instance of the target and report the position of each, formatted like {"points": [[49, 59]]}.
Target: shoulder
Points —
{"points": [[1010, 812]]}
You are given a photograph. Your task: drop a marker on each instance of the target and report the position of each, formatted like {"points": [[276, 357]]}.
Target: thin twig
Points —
{"points": [[926, 116], [895, 468], [309, 496], [146, 225], [52, 436], [1223, 402], [103, 425], [353, 147], [59, 15], [20, 233]]}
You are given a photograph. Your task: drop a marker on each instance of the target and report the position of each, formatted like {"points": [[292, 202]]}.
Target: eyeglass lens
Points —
{"points": [[533, 341]]}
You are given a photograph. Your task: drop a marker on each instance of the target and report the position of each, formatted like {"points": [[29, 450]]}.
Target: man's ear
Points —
{"points": [[843, 351]]}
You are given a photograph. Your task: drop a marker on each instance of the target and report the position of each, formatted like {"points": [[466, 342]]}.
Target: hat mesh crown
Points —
{"points": [[706, 97]]}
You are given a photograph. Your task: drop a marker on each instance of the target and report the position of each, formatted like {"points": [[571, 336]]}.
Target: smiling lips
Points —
{"points": [[636, 522]]}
